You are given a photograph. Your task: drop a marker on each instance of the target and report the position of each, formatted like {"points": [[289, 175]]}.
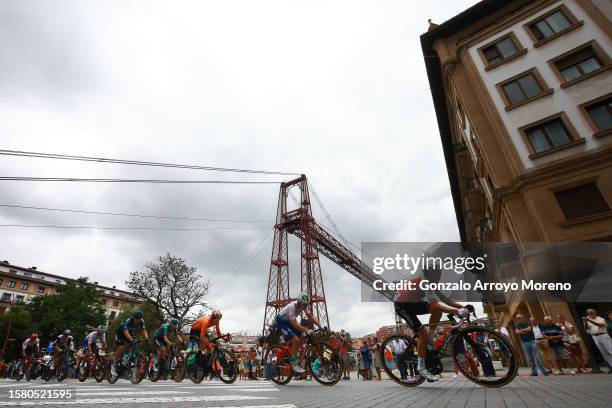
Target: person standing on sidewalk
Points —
{"points": [[572, 344], [597, 327], [554, 335], [525, 332], [344, 355], [542, 344], [376, 358]]}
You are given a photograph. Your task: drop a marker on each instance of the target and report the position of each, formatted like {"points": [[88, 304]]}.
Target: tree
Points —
{"points": [[22, 326], [75, 307], [171, 286]]}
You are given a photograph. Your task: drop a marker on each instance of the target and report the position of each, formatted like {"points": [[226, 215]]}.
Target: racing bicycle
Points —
{"points": [[320, 358], [482, 355], [219, 360], [173, 363], [92, 364], [131, 367]]}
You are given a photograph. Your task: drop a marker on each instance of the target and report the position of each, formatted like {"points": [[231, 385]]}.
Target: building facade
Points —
{"points": [[20, 285], [523, 97]]}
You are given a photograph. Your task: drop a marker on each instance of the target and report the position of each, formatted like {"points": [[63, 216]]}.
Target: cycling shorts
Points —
{"points": [[286, 330], [120, 339], [159, 342], [410, 312]]}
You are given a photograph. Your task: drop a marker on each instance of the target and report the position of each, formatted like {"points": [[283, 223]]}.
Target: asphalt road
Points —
{"points": [[590, 390]]}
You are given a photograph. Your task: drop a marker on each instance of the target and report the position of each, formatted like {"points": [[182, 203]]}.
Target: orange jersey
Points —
{"points": [[204, 323]]}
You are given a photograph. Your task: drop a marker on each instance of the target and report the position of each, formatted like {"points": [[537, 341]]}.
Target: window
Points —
{"points": [[24, 286], [19, 298], [103, 301], [548, 135], [500, 50], [115, 303], [550, 25], [523, 88], [6, 297], [11, 284], [112, 315], [580, 63], [599, 114], [41, 289], [1, 282], [582, 201]]}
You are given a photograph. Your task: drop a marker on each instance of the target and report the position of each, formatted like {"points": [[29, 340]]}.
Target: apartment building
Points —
{"points": [[523, 96], [19, 285]]}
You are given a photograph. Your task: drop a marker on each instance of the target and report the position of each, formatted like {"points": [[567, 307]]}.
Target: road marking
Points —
{"points": [[113, 392], [91, 401]]}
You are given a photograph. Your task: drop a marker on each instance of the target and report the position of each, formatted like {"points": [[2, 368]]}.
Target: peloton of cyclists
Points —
{"points": [[293, 332]]}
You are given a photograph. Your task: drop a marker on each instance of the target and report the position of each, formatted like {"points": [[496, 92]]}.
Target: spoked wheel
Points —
{"points": [[45, 372], [178, 372], [324, 363], [100, 370], [398, 354], [494, 353], [110, 377], [83, 369], [278, 362], [154, 368], [62, 370], [225, 365], [195, 366], [137, 368]]}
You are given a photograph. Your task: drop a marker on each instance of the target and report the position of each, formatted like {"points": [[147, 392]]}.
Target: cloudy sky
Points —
{"points": [[336, 90]]}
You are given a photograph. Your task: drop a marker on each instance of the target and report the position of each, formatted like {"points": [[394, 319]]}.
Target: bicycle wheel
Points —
{"points": [[110, 377], [137, 369], [497, 359], [225, 365], [62, 370], [100, 369], [178, 372], [194, 366], [153, 368], [278, 365], [45, 372], [324, 363], [83, 370], [399, 360]]}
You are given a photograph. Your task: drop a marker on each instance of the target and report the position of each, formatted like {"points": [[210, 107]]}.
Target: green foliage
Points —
{"points": [[22, 326], [76, 307]]}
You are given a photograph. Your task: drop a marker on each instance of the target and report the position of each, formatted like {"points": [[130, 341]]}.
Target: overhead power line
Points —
{"points": [[129, 215], [155, 181], [129, 228], [136, 162]]}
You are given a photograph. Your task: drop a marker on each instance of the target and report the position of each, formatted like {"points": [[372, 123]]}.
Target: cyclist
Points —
{"points": [[198, 339], [29, 347], [64, 342], [160, 337], [90, 342], [293, 332], [124, 335], [411, 303]]}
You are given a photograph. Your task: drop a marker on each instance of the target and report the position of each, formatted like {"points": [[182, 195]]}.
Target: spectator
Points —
{"points": [[525, 332], [572, 344], [398, 348], [376, 358], [258, 358], [365, 360], [542, 344], [501, 329], [597, 327], [554, 335], [343, 351], [609, 320], [252, 363]]}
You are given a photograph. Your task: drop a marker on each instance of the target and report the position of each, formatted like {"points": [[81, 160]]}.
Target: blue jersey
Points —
{"points": [[163, 330]]}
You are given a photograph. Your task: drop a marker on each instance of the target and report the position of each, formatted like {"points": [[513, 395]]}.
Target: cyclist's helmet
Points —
{"points": [[101, 328], [66, 332], [34, 336], [216, 314], [138, 314], [303, 298], [174, 323]]}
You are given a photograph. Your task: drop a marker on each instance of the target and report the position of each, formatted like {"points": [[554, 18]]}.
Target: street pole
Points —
{"points": [[8, 333]]}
